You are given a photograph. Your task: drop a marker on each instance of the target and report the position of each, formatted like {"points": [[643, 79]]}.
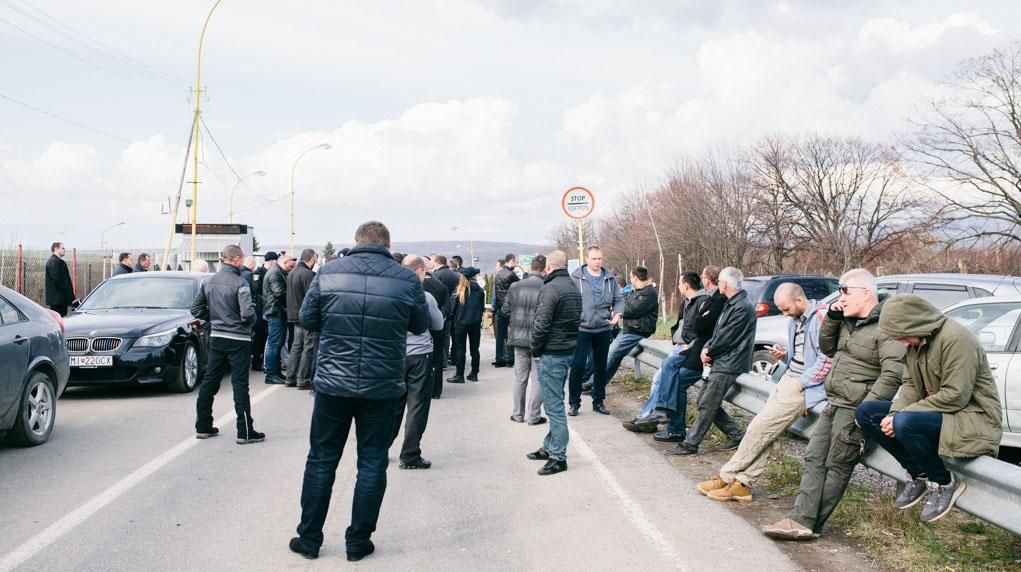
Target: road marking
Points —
{"points": [[34, 545], [632, 509]]}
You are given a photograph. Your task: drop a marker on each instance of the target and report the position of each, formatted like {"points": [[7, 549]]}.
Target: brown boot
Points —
{"points": [[711, 485], [788, 529], [735, 491]]}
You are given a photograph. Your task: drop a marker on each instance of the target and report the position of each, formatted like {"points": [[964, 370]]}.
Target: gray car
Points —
{"points": [[941, 290]]}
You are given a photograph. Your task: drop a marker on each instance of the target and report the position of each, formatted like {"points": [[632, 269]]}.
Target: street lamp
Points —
{"points": [[195, 135], [303, 153], [102, 244], [235, 189], [471, 244]]}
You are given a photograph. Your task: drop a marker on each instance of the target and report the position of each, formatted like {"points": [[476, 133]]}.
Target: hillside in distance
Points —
{"points": [[488, 252]]}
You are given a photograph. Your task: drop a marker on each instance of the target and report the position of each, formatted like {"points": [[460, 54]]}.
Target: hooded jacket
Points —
{"points": [[596, 314], [949, 374], [867, 364], [641, 311]]}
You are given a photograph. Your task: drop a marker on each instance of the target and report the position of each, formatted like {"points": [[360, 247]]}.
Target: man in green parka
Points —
{"points": [[947, 406]]}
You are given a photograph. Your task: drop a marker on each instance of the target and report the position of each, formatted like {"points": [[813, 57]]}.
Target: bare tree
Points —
{"points": [[775, 221]]}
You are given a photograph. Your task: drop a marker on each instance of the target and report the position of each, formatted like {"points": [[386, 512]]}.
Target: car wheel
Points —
{"points": [[762, 361], [36, 413], [187, 377]]}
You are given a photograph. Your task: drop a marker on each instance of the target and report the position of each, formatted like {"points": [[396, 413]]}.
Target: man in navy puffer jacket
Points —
{"points": [[363, 306]]}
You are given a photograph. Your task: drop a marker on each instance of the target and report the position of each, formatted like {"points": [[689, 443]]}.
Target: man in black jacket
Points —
{"points": [[641, 312], [299, 367], [226, 302], [59, 289], [261, 330], [274, 309], [444, 299], [501, 284], [124, 264], [554, 339], [519, 309], [144, 263], [729, 354], [363, 306]]}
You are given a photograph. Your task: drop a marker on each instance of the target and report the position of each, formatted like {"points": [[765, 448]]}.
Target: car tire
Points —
{"points": [[762, 360], [187, 377], [37, 412]]}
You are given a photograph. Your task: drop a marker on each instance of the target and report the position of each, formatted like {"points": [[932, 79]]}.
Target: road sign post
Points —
{"points": [[578, 203]]}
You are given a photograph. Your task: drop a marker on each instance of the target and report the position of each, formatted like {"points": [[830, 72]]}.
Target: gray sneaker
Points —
{"points": [[911, 493], [941, 499]]}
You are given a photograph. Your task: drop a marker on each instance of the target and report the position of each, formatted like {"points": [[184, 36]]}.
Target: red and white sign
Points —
{"points": [[578, 202]]}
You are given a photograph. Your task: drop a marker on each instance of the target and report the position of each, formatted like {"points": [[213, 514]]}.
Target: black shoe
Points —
{"points": [[586, 386], [473, 376], [668, 437], [498, 364], [275, 381], [553, 467], [540, 455], [207, 433], [456, 379], [295, 545], [418, 463], [257, 367], [517, 418], [573, 411], [356, 556], [682, 449], [307, 387], [289, 384], [731, 443], [538, 421], [250, 436], [641, 425], [600, 408]]}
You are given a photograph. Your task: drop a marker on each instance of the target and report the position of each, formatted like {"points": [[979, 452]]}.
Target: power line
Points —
{"points": [[231, 167], [66, 120]]}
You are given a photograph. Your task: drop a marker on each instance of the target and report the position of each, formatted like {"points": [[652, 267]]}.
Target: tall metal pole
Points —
{"points": [[195, 135], [581, 244], [293, 170], [662, 261], [177, 203]]}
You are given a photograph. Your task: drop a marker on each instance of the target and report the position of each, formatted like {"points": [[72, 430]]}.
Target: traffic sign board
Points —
{"points": [[578, 202]]}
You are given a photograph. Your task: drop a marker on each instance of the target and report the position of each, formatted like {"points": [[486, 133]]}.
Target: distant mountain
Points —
{"points": [[487, 252]]}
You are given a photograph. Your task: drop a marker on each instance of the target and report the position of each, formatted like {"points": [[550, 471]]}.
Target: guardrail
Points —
{"points": [[994, 487]]}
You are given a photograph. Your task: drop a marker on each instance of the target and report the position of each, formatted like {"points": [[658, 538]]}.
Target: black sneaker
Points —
{"points": [[207, 433], [250, 436], [540, 455], [682, 449], [356, 556], [941, 499], [473, 376], [600, 408], [573, 411], [553, 467], [538, 421], [295, 546], [911, 493], [731, 443], [455, 379], [418, 463], [586, 386], [275, 381], [517, 418], [668, 437]]}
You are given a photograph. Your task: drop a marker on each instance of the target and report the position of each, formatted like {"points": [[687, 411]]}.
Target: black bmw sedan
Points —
{"points": [[138, 329]]}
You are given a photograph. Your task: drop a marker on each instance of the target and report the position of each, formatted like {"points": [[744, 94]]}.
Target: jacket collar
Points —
{"points": [[555, 273], [231, 269], [371, 248], [737, 298]]}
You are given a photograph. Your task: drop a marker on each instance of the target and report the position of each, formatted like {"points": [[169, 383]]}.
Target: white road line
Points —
{"points": [[632, 509], [34, 545]]}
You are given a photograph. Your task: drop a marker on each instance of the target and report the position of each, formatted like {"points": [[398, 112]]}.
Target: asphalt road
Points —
{"points": [[123, 485]]}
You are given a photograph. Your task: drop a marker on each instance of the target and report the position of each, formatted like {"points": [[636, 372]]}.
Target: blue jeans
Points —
{"points": [[669, 368], [619, 349], [552, 371], [598, 343], [274, 343], [673, 394], [331, 423], [916, 444]]}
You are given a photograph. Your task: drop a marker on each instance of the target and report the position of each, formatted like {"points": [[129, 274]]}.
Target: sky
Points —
{"points": [[475, 114]]}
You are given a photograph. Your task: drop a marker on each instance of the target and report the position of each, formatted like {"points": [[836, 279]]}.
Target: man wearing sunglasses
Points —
{"points": [[867, 364]]}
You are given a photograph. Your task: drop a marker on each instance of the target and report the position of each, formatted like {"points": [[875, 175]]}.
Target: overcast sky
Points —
{"points": [[475, 113]]}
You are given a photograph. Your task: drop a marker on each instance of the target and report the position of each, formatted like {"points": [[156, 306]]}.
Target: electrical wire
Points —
{"points": [[231, 167], [66, 120]]}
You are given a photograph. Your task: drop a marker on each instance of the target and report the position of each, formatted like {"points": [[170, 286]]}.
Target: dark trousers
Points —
{"points": [[416, 400], [463, 337], [226, 355], [259, 335], [710, 409], [916, 441], [452, 340], [599, 345], [439, 360], [62, 310], [331, 423], [830, 457], [504, 353]]}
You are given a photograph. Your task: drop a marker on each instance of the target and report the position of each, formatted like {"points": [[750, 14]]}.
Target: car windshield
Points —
{"points": [[157, 292]]}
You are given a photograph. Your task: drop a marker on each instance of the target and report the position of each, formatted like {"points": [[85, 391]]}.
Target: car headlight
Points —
{"points": [[156, 340]]}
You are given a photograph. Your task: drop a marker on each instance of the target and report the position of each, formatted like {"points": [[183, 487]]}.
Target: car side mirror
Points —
{"points": [[76, 304]]}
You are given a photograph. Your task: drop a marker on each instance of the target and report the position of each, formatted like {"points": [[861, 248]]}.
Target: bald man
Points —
{"points": [[800, 389]]}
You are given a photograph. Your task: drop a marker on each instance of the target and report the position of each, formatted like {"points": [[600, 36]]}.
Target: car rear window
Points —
{"points": [[941, 295]]}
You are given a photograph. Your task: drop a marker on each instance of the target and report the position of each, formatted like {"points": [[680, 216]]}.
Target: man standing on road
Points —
{"points": [[867, 364], [363, 306], [445, 300], [519, 309], [554, 339], [299, 369], [799, 390], [124, 263], [602, 307], [226, 302], [948, 405], [59, 289], [144, 263], [501, 284], [261, 327], [641, 313], [417, 378], [274, 309], [729, 354]]}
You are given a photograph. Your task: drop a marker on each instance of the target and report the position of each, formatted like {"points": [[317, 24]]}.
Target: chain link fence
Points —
{"points": [[86, 271]]}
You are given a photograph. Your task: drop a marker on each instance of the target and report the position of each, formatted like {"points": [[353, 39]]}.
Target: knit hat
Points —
{"points": [[271, 255]]}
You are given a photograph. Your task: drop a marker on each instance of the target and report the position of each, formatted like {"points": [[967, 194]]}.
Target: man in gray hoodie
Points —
{"points": [[602, 308]]}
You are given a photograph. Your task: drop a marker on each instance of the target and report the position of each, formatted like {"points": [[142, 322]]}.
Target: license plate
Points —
{"points": [[91, 361]]}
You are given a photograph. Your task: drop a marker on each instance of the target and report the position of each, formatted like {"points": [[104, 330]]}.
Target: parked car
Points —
{"points": [[762, 288], [138, 329], [942, 290], [996, 322], [33, 368]]}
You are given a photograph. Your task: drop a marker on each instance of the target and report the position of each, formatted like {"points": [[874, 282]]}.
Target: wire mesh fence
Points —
{"points": [[26, 273]]}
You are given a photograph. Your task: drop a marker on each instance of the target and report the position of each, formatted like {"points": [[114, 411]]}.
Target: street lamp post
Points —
{"points": [[293, 169], [235, 189], [471, 244], [102, 244], [195, 134]]}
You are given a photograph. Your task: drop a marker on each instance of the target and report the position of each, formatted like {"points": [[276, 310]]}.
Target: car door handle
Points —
{"points": [[20, 339], [994, 366]]}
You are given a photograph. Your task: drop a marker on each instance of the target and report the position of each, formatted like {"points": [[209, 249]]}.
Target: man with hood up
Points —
{"points": [[948, 405]]}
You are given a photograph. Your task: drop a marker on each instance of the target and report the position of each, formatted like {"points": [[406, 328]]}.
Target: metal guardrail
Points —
{"points": [[994, 487]]}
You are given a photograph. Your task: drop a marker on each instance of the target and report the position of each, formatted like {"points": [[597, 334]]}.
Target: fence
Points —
{"points": [[25, 271], [994, 487]]}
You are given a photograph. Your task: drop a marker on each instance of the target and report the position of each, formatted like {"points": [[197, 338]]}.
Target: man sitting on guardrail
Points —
{"points": [[641, 311], [799, 390], [947, 406], [866, 362]]}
